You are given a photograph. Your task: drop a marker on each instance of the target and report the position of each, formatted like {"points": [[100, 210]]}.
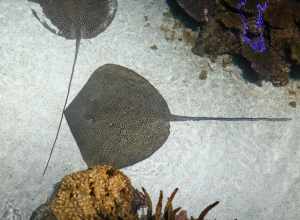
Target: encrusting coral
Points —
{"points": [[105, 193], [265, 32], [100, 192]]}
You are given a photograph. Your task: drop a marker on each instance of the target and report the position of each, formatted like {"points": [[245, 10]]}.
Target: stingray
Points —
{"points": [[118, 118], [75, 19]]}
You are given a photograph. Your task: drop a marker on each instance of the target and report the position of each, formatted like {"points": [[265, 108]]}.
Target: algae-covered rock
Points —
{"points": [[295, 52], [265, 33]]}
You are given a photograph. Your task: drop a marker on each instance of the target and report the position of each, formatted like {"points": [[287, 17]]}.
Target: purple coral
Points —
{"points": [[261, 9], [258, 43]]}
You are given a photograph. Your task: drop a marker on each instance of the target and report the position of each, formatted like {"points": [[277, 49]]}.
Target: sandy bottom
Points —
{"points": [[252, 168]]}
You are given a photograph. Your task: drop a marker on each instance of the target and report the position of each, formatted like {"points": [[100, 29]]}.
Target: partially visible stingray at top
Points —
{"points": [[118, 118], [75, 19]]}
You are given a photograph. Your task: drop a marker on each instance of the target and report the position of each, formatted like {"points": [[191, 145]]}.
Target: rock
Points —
{"points": [[43, 212], [272, 47]]}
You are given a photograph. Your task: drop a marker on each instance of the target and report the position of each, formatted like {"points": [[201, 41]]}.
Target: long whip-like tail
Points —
{"points": [[66, 101], [237, 119]]}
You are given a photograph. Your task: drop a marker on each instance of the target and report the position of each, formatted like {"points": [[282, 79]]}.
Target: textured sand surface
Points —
{"points": [[252, 168]]}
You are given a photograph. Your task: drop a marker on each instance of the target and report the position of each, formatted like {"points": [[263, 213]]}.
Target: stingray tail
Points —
{"points": [[66, 100], [188, 118]]}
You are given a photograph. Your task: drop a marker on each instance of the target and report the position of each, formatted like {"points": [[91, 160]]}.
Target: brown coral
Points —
{"points": [[170, 213], [101, 192], [105, 193]]}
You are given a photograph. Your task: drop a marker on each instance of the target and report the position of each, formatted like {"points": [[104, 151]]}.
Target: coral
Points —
{"points": [[265, 33], [169, 212], [101, 192], [105, 193], [257, 44]]}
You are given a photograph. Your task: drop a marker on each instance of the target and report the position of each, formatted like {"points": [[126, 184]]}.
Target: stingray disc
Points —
{"points": [[118, 118], [90, 16]]}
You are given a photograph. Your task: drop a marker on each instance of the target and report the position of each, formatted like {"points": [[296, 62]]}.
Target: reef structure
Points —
{"points": [[264, 32], [105, 193], [98, 193]]}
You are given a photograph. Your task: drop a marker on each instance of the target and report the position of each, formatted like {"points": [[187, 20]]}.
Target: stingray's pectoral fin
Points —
{"points": [[44, 23], [237, 119]]}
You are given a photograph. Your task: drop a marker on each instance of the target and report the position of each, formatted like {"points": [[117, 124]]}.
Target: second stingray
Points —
{"points": [[119, 118], [75, 19]]}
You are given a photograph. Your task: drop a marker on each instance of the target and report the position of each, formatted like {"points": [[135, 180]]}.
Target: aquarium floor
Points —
{"points": [[251, 168]]}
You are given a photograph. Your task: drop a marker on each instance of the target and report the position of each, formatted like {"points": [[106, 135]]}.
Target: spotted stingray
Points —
{"points": [[118, 118], [75, 19]]}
